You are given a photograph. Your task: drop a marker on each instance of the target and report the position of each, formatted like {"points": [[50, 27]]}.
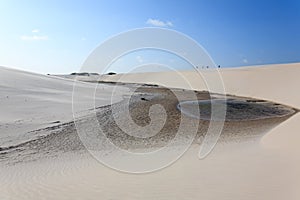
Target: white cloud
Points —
{"points": [[35, 31], [139, 59], [34, 37], [157, 22], [245, 60]]}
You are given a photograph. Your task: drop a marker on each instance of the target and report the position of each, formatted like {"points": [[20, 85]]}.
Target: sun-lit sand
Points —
{"points": [[51, 163]]}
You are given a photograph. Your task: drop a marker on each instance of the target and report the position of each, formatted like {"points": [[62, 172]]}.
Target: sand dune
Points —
{"points": [[270, 82], [32, 101], [267, 169], [278, 83]]}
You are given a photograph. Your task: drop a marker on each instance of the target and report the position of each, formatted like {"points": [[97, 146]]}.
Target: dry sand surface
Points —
{"points": [[42, 157]]}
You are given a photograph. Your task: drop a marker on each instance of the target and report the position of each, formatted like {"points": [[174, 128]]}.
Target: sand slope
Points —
{"points": [[31, 101]]}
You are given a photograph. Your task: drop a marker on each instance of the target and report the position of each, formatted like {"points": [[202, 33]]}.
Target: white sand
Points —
{"points": [[269, 170], [31, 101]]}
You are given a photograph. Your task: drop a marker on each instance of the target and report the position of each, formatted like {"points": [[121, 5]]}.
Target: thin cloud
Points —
{"points": [[159, 23], [245, 60], [34, 37], [35, 31], [140, 59]]}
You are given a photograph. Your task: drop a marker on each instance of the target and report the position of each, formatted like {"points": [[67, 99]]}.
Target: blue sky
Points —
{"points": [[57, 36]]}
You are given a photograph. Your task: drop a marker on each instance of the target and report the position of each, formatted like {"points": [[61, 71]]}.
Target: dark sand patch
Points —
{"points": [[236, 109]]}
